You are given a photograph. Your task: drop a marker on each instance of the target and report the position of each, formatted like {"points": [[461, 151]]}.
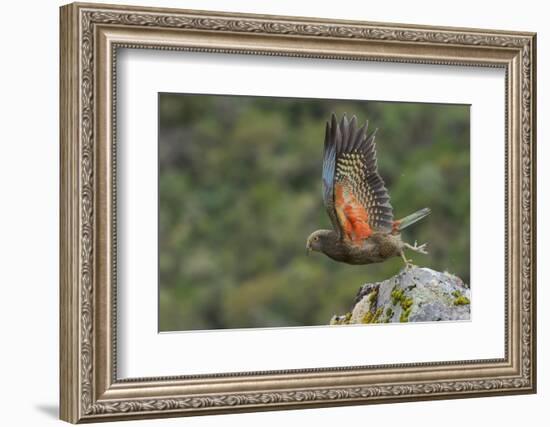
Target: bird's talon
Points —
{"points": [[410, 265], [419, 249]]}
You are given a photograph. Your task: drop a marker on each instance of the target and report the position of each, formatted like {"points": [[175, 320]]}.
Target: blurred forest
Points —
{"points": [[240, 191]]}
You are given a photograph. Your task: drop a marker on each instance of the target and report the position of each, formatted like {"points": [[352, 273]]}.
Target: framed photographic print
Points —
{"points": [[265, 212]]}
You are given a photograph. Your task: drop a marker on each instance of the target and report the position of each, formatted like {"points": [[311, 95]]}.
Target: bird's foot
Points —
{"points": [[409, 266], [422, 249], [408, 262]]}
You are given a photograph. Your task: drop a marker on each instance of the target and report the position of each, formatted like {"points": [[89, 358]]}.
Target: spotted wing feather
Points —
{"points": [[361, 200]]}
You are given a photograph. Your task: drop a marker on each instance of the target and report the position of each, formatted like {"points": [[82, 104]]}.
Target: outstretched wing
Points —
{"points": [[332, 140], [354, 193]]}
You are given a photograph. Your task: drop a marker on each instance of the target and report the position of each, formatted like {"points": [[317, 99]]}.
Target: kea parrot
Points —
{"points": [[357, 201]]}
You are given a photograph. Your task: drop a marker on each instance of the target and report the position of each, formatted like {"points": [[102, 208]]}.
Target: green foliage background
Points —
{"points": [[240, 191]]}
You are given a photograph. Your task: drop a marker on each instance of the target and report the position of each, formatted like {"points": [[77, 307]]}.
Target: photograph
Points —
{"points": [[285, 212], [273, 209]]}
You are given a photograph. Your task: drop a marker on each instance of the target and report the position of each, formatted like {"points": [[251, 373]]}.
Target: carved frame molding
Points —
{"points": [[90, 37]]}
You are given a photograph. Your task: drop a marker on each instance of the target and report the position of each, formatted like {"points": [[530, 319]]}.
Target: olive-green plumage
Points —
{"points": [[357, 201]]}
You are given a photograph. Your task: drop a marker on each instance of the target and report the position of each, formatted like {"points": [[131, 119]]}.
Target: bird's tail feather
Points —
{"points": [[411, 219]]}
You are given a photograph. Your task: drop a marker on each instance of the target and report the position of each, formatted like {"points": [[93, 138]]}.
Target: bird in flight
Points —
{"points": [[357, 201]]}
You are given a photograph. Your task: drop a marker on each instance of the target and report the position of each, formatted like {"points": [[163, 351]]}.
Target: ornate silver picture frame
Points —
{"points": [[91, 36]]}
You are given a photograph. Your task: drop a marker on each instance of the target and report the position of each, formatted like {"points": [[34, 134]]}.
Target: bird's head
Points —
{"points": [[319, 239]]}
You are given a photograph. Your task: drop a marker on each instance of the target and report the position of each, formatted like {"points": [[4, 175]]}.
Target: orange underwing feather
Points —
{"points": [[353, 217]]}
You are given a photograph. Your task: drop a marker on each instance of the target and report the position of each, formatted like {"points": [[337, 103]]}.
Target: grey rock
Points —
{"points": [[416, 294]]}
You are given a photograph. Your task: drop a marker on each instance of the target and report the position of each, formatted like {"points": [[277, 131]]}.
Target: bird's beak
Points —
{"points": [[308, 249]]}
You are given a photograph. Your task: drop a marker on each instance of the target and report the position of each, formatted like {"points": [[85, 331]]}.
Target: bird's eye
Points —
{"points": [[316, 238]]}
